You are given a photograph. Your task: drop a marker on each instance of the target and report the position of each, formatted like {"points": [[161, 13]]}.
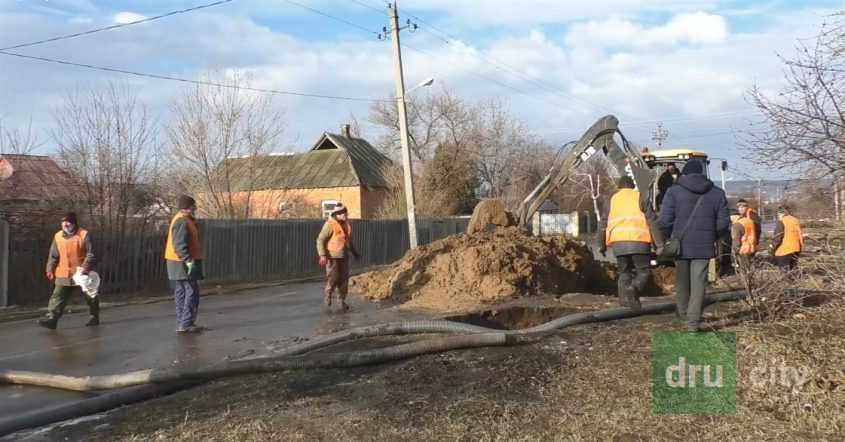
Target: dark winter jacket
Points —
{"points": [[711, 220]]}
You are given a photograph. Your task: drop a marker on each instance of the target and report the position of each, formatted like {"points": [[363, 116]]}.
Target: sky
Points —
{"points": [[557, 65]]}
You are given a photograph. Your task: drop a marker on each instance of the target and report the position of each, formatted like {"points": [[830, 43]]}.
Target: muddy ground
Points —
{"points": [[587, 383]]}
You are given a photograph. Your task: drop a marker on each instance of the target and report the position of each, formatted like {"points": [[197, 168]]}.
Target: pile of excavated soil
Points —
{"points": [[490, 212], [465, 271]]}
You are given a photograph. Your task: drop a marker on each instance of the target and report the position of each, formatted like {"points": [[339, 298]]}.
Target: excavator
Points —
{"points": [[598, 138], [643, 167]]}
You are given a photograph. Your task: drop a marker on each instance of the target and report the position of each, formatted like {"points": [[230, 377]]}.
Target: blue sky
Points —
{"points": [[685, 63]]}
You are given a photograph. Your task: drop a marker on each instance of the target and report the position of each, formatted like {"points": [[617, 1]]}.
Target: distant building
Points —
{"points": [[34, 191], [338, 168]]}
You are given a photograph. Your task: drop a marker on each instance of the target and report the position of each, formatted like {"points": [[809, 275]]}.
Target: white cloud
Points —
{"points": [[124, 17], [695, 28], [688, 65]]}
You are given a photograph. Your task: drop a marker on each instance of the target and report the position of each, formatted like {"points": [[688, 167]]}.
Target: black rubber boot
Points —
{"points": [[48, 322], [94, 309]]}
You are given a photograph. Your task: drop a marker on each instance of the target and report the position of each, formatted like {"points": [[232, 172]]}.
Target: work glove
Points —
{"points": [[51, 276], [190, 266], [324, 261]]}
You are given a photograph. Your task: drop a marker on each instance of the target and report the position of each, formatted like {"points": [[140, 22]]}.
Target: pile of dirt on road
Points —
{"points": [[466, 271]]}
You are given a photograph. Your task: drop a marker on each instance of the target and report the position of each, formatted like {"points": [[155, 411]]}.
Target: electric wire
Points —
{"points": [[117, 26]]}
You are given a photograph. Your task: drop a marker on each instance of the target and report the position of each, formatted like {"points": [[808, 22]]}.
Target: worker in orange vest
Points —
{"points": [[183, 254], [788, 241], [627, 233], [334, 245], [70, 252], [745, 235]]}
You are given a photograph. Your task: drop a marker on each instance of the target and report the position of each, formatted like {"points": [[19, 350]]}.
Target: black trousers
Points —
{"points": [[634, 271], [787, 263]]}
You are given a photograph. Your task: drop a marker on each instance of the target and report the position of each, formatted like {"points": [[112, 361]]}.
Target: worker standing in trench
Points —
{"points": [[183, 254], [788, 241], [628, 234], [745, 236], [334, 245], [70, 252]]}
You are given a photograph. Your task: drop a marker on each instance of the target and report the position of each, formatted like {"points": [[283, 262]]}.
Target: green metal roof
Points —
{"points": [[334, 161]]}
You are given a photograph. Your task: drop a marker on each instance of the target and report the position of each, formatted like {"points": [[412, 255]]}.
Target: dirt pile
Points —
{"points": [[487, 213], [464, 271]]}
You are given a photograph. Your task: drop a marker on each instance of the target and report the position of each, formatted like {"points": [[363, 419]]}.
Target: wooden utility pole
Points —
{"points": [[403, 125]]}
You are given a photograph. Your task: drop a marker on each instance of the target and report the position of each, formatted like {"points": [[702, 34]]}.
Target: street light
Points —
{"points": [[406, 153], [426, 83]]}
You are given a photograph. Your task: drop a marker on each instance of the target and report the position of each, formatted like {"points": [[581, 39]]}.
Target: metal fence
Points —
{"points": [[235, 251]]}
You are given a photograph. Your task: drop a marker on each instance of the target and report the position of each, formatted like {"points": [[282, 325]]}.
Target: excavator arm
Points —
{"points": [[599, 137]]}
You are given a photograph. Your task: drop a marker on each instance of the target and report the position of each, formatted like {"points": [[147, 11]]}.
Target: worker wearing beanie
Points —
{"points": [[334, 245], [696, 212], [788, 241], [183, 253], [71, 250]]}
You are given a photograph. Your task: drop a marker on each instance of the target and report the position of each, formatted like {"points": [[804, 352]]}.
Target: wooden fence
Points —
{"points": [[235, 251]]}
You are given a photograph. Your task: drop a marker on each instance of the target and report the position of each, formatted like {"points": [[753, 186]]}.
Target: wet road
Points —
{"points": [[142, 336]]}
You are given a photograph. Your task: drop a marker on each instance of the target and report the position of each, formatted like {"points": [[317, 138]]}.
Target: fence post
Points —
{"points": [[4, 263]]}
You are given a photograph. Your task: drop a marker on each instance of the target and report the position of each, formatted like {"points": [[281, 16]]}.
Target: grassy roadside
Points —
{"points": [[590, 383]]}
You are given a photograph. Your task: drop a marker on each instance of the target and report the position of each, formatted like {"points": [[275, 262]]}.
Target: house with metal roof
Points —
{"points": [[337, 168]]}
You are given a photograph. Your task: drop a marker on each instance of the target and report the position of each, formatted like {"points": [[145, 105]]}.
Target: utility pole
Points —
{"points": [[660, 135], [760, 197], [403, 124]]}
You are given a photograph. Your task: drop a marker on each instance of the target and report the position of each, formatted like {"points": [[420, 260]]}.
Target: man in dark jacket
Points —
{"points": [[698, 233]]}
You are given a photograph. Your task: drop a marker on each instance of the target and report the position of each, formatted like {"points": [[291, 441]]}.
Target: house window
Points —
{"points": [[327, 207]]}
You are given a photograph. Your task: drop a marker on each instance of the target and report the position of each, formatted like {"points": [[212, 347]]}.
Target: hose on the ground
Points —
{"points": [[157, 382], [470, 336]]}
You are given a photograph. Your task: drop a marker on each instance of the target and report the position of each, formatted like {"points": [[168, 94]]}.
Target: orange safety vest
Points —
{"points": [[194, 246], [72, 252], [793, 241], [339, 241], [749, 236], [626, 222]]}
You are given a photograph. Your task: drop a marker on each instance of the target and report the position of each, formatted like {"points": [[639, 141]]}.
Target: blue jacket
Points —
{"points": [[711, 220]]}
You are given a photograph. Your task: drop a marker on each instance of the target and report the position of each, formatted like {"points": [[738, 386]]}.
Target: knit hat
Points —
{"points": [[69, 217], [338, 209], [692, 166], [185, 202]]}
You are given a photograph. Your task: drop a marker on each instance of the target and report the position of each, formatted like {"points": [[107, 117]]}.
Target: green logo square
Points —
{"points": [[693, 373]]}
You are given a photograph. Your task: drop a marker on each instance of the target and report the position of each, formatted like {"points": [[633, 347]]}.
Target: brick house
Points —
{"points": [[338, 168], [34, 192]]}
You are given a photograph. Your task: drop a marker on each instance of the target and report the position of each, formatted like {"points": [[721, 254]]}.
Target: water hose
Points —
{"points": [[146, 384]]}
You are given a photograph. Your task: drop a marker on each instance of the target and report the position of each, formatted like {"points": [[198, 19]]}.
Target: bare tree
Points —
{"points": [[217, 138], [487, 145], [805, 120], [18, 141], [108, 142]]}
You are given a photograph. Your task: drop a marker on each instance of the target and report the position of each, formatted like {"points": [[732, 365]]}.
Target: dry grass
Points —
{"points": [[592, 383]]}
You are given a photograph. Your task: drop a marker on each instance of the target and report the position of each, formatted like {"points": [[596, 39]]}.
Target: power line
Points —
{"points": [[446, 38], [367, 5], [196, 82], [121, 25], [333, 17]]}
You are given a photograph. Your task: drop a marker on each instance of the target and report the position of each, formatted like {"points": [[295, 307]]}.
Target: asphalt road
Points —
{"points": [[142, 336]]}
